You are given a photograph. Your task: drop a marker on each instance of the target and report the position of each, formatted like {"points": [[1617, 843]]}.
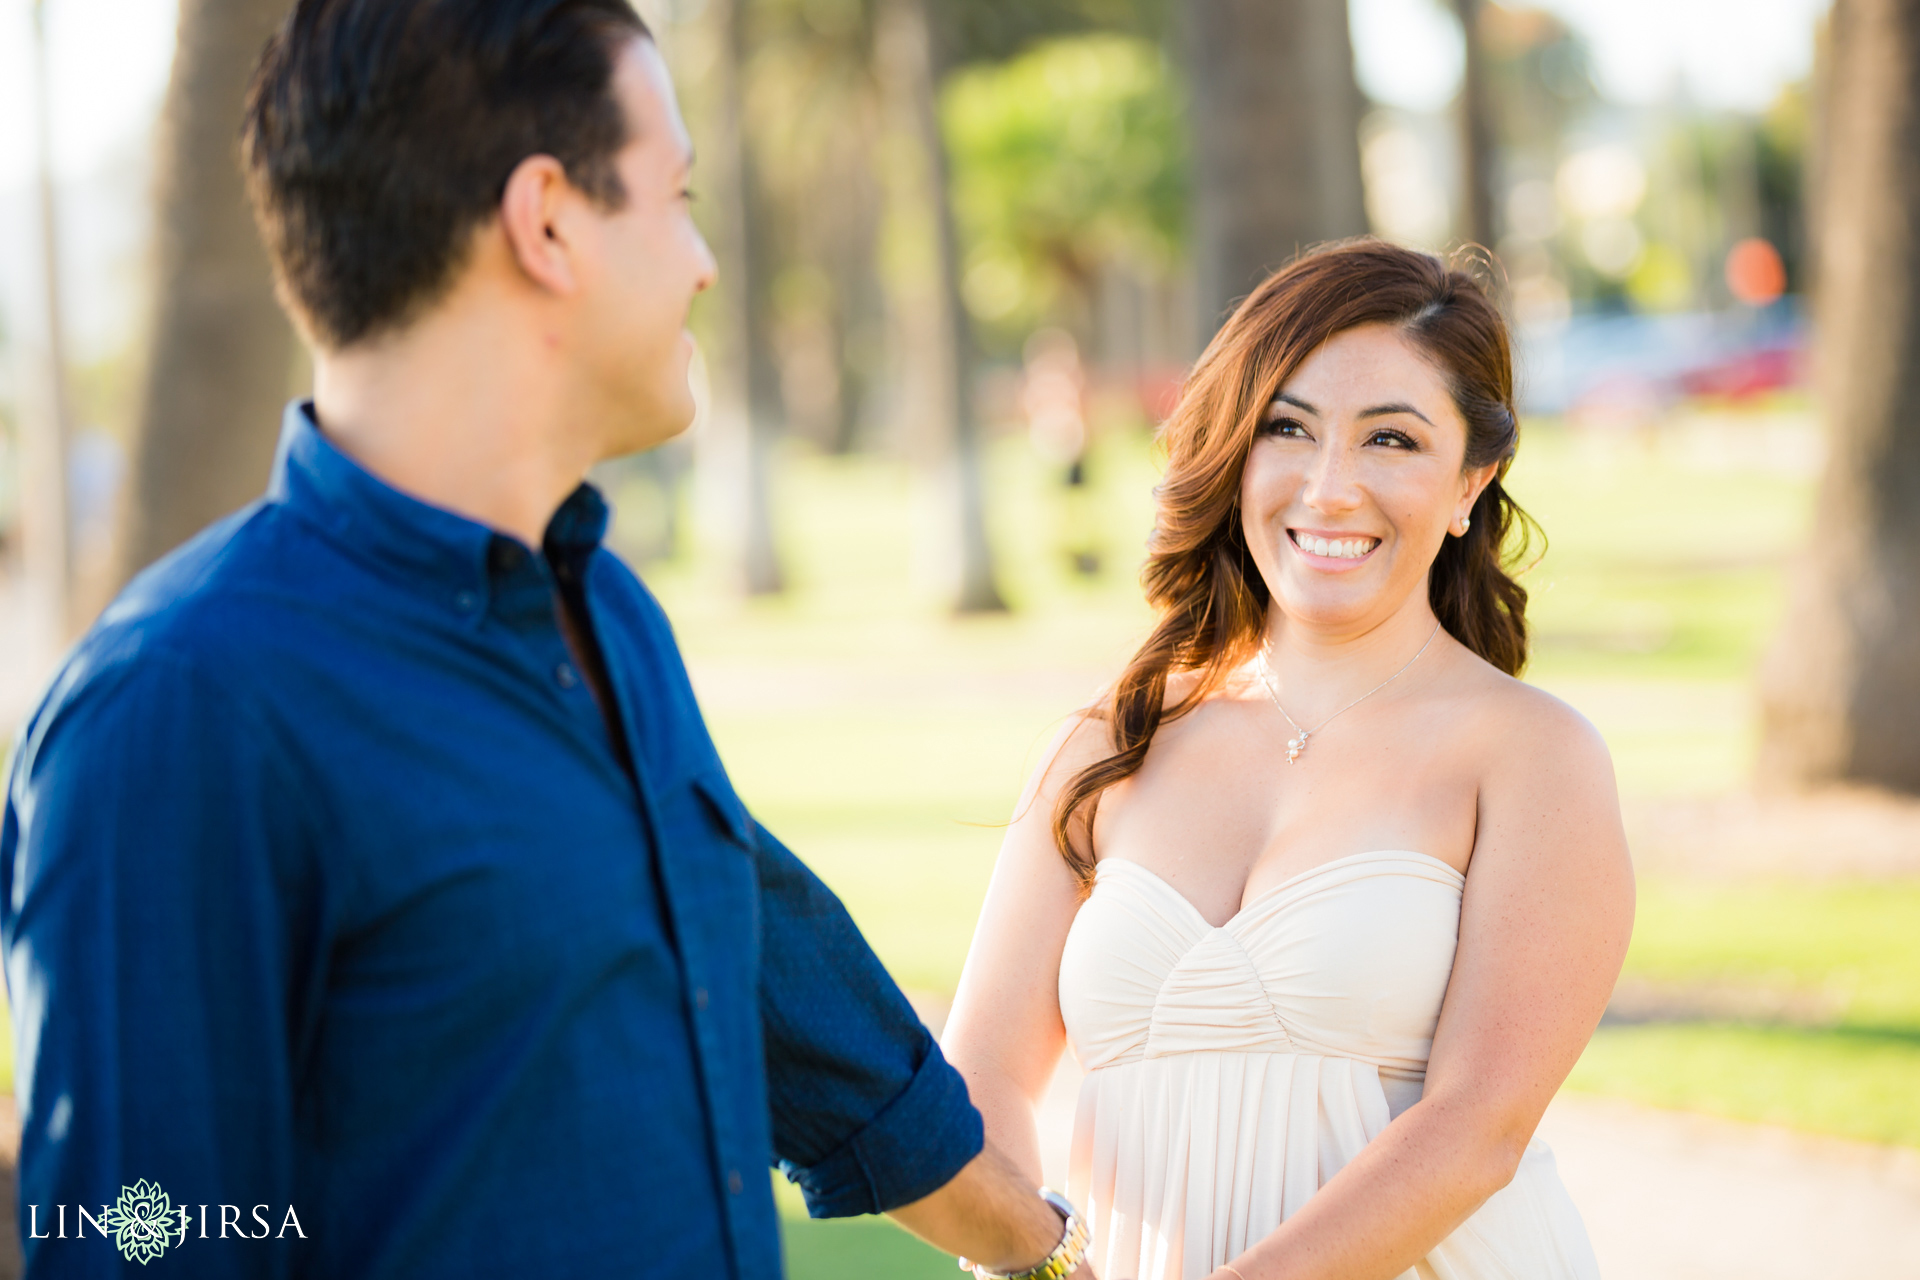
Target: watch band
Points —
{"points": [[1075, 1240]]}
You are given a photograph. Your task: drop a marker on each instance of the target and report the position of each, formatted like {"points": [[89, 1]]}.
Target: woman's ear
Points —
{"points": [[1473, 482]]}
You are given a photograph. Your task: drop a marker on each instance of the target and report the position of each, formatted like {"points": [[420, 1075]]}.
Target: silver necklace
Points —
{"points": [[1296, 745]]}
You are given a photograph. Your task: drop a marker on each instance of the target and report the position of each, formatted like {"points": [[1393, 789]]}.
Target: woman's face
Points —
{"points": [[1355, 478]]}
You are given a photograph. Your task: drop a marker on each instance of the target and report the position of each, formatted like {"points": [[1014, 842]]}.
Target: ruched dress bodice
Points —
{"points": [[1232, 1071]]}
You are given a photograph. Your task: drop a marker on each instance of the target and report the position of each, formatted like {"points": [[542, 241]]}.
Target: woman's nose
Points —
{"points": [[1331, 484]]}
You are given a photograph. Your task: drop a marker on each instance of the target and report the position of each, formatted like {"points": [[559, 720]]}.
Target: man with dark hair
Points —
{"points": [[377, 905]]}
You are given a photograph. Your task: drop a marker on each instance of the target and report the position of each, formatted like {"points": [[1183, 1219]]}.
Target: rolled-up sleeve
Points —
{"points": [[867, 1113]]}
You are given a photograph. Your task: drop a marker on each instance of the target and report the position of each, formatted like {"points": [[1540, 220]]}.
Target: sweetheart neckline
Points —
{"points": [[1288, 883]]}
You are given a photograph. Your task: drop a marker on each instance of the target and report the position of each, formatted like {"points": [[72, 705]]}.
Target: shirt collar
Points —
{"points": [[445, 553]]}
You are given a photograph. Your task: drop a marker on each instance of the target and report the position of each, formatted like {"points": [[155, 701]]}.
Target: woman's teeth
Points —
{"points": [[1336, 548]]}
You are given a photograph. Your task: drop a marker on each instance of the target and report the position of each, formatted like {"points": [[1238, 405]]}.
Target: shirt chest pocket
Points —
{"points": [[701, 812], [709, 860]]}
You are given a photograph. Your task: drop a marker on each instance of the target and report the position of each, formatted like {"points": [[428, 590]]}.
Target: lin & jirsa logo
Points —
{"points": [[144, 1222]]}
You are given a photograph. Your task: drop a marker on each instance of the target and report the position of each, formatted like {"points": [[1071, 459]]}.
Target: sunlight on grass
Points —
{"points": [[1851, 1081], [1851, 948], [860, 1248], [1857, 944]]}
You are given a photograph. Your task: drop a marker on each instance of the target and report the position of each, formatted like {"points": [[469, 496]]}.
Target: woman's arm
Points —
{"points": [[1544, 926], [1005, 1033]]}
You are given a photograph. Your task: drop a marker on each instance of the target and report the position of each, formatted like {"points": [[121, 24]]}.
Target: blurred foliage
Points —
{"points": [[1069, 155], [1541, 72], [1781, 143], [974, 31], [812, 115]]}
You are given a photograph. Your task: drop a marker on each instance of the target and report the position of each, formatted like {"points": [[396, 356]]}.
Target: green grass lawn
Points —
{"points": [[1856, 1082], [862, 1248], [1850, 952]]}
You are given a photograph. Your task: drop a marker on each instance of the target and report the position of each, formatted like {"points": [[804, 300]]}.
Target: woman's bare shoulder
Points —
{"points": [[1082, 738], [1510, 710], [1545, 775]]}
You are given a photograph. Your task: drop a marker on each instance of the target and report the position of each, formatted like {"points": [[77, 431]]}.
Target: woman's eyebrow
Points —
{"points": [[1383, 410], [1296, 402]]}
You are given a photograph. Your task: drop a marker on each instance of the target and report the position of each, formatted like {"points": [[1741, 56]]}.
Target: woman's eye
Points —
{"points": [[1290, 427], [1393, 440]]}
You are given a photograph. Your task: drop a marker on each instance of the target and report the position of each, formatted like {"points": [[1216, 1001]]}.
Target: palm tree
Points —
{"points": [[220, 355], [46, 525], [1841, 688], [746, 392], [1477, 145], [1276, 139], [909, 64]]}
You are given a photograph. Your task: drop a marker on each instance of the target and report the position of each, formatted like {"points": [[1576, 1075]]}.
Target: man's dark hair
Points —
{"points": [[380, 133]]}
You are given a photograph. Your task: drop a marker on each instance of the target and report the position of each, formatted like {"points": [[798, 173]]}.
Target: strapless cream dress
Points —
{"points": [[1232, 1071]]}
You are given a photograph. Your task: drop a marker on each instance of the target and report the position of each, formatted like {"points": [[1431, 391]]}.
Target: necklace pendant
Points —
{"points": [[1295, 746]]}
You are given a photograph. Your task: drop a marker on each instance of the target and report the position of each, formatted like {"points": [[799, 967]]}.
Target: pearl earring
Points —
{"points": [[1466, 523]]}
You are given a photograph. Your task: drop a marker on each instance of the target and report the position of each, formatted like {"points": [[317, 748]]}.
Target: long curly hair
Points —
{"points": [[1199, 575]]}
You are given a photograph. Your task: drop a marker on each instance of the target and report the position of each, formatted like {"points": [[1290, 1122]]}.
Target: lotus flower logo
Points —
{"points": [[142, 1222]]}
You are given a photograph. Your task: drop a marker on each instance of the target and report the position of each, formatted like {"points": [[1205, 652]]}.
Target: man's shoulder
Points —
{"points": [[629, 594], [212, 608]]}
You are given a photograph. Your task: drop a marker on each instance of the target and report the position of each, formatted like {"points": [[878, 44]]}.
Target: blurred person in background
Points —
{"points": [[369, 861], [1053, 395], [1325, 901]]}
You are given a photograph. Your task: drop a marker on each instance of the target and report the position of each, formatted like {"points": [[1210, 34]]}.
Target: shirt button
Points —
{"points": [[699, 997], [466, 601], [734, 1183], [564, 676]]}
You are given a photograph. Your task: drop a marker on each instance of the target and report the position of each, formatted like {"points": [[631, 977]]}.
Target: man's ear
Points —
{"points": [[533, 214]]}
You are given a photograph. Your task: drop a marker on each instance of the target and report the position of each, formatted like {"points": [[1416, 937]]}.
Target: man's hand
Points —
{"points": [[991, 1214]]}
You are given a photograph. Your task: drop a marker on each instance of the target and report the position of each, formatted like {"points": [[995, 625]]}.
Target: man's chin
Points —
{"points": [[652, 427]]}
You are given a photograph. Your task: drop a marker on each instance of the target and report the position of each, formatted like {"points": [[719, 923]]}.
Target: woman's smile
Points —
{"points": [[1332, 550]]}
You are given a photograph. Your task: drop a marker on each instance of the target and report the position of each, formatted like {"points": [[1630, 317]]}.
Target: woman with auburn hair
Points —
{"points": [[1326, 902]]}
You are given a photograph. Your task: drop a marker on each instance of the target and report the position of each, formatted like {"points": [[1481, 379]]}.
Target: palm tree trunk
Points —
{"points": [[46, 524], [1276, 139], [1841, 687], [220, 355], [1478, 159], [746, 410], [910, 70]]}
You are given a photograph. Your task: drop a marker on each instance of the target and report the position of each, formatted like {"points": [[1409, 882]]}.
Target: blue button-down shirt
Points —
{"points": [[330, 890]]}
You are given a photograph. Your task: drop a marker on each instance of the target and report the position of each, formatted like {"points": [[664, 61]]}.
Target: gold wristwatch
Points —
{"points": [[1075, 1240]]}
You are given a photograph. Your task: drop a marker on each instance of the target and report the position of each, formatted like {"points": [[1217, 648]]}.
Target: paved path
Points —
{"points": [[1671, 1196]]}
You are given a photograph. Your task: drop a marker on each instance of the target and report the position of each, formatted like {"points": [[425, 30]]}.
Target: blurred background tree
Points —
{"points": [[220, 361], [1842, 686], [1275, 138]]}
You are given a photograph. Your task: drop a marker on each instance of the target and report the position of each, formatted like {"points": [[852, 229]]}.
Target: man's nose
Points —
{"points": [[709, 269]]}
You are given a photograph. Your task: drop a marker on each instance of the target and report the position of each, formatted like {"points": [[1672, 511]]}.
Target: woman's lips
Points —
{"points": [[1329, 548]]}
